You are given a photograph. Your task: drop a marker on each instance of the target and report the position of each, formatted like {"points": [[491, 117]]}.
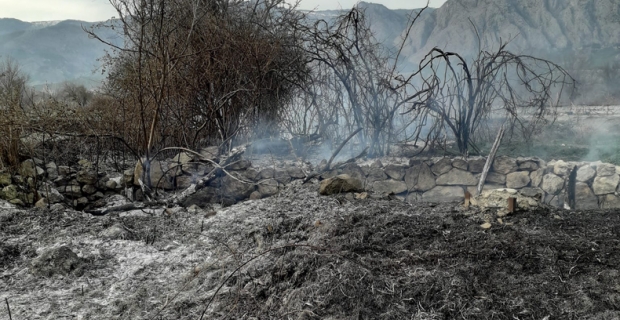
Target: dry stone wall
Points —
{"points": [[582, 185]]}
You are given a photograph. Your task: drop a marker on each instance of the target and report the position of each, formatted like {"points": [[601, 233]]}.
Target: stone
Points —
{"points": [[605, 169], [71, 191], [605, 184], [182, 158], [239, 165], [85, 164], [498, 198], [459, 164], [532, 192], [115, 232], [476, 165], [495, 178], [127, 178], [389, 187], [267, 173], [282, 176], [442, 166], [585, 173], [233, 188], [610, 201], [375, 174], [396, 172], [413, 197], [60, 260], [251, 174], [517, 180], [51, 194], [443, 194], [28, 169], [555, 200], [89, 189], [5, 179], [256, 195], [536, 177], [210, 153], [42, 203], [505, 165], [457, 177], [339, 184], [354, 170], [86, 177], [584, 197], [64, 171], [110, 184], [552, 184], [562, 168], [528, 165], [156, 175], [411, 176], [268, 187], [82, 201], [377, 164], [17, 202], [426, 179], [184, 181], [9, 192], [295, 172]]}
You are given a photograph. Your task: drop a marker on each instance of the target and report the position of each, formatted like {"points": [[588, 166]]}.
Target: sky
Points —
{"points": [[99, 10]]}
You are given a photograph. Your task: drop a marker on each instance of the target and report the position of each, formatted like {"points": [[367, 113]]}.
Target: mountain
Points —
{"points": [[54, 51], [581, 35]]}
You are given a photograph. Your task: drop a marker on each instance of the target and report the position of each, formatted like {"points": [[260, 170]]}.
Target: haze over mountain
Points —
{"points": [[580, 34]]}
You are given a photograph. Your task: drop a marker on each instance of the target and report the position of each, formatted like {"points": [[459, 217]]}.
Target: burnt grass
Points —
{"points": [[303, 256]]}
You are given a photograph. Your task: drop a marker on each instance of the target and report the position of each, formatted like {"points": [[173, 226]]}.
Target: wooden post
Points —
{"points": [[487, 165], [512, 204], [467, 198]]}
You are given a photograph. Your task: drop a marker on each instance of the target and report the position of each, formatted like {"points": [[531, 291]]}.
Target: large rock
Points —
{"points": [[353, 170], [339, 184], [389, 187], [605, 169], [457, 177], [536, 177], [52, 171], [156, 173], [459, 164], [375, 174], [562, 168], [584, 197], [442, 166], [396, 172], [59, 260], [498, 198], [268, 187], [605, 184], [496, 178], [476, 165], [552, 184], [443, 194], [236, 188], [505, 165], [239, 165], [295, 172], [420, 178], [5, 179], [51, 194], [517, 180], [610, 201], [29, 168], [72, 191], [585, 173], [9, 192], [527, 164], [87, 177]]}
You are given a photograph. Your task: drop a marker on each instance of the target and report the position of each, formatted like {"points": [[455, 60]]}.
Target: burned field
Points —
{"points": [[299, 255]]}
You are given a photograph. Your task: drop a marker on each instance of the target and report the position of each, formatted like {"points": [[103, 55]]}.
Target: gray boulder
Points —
{"points": [[505, 165], [605, 184], [605, 169], [552, 184], [340, 184], [517, 180], [457, 177], [389, 187], [585, 173], [584, 197], [442, 166], [396, 172], [443, 194]]}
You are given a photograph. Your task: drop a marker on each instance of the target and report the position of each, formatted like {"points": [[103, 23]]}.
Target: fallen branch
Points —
{"points": [[490, 158]]}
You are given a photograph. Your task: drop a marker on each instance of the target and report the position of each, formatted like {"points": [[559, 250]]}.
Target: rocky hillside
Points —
{"points": [[53, 51]]}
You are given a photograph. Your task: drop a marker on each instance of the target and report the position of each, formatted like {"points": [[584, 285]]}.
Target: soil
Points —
{"points": [[299, 255]]}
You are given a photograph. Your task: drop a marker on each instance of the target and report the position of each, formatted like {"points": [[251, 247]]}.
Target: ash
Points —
{"points": [[299, 255]]}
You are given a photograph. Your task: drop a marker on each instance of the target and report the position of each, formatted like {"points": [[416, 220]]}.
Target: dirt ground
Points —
{"points": [[299, 255]]}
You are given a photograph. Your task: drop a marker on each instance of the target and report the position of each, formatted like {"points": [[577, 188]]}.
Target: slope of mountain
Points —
{"points": [[51, 52]]}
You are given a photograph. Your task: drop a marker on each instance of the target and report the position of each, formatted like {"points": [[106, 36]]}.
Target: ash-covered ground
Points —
{"points": [[299, 255]]}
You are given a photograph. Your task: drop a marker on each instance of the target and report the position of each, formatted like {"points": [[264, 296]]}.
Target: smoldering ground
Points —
{"points": [[299, 255]]}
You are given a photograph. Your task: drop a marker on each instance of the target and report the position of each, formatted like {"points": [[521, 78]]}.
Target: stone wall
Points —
{"points": [[417, 179]]}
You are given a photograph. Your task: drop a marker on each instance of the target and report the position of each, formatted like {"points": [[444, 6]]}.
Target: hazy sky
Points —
{"points": [[98, 10]]}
